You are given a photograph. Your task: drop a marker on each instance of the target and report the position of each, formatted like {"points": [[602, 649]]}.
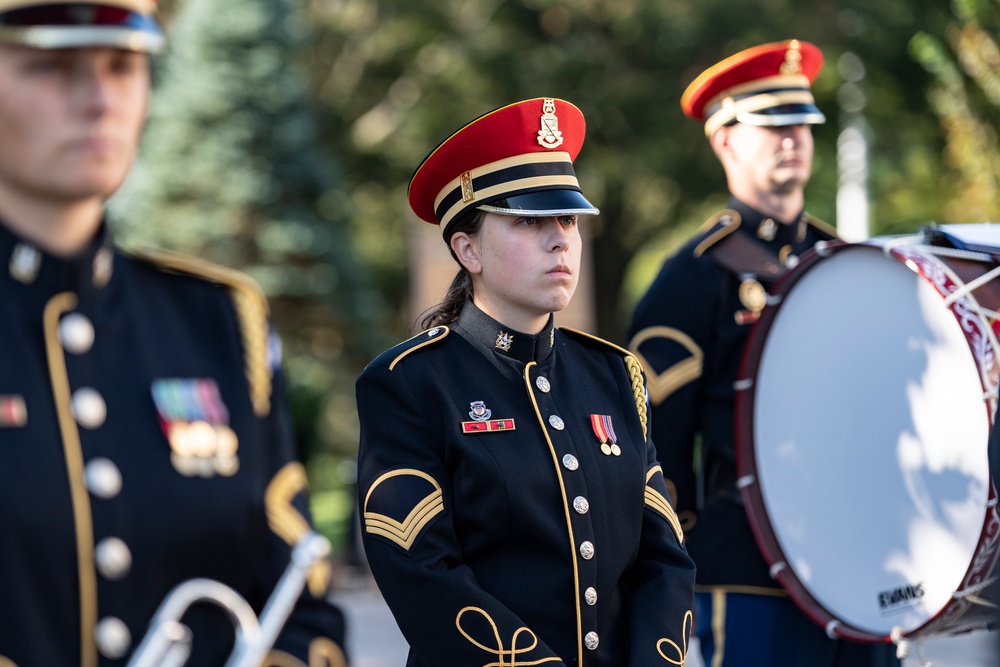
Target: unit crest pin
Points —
{"points": [[767, 230], [479, 411], [504, 341]]}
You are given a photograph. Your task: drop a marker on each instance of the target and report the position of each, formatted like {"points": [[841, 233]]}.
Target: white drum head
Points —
{"points": [[869, 437]]}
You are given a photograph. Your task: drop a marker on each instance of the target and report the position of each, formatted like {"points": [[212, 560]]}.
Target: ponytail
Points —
{"points": [[450, 306], [447, 310]]}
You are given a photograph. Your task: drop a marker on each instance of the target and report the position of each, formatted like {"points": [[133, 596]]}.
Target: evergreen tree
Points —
{"points": [[231, 169]]}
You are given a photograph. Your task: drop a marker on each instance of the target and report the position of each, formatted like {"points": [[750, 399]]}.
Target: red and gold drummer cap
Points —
{"points": [[766, 85], [519, 156], [122, 24]]}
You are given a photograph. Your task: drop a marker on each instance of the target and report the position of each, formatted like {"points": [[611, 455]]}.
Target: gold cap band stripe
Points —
{"points": [[751, 104], [506, 163], [511, 187]]}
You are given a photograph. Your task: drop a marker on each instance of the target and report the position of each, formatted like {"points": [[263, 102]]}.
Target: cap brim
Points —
{"points": [[784, 114], [544, 203]]}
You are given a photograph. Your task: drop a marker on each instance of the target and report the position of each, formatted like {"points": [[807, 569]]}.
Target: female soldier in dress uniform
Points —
{"points": [[143, 437], [513, 509]]}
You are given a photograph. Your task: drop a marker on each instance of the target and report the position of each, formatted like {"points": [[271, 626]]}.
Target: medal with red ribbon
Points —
{"points": [[605, 433]]}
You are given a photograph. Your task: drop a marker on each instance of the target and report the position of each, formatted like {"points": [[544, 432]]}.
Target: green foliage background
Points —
{"points": [[282, 136]]}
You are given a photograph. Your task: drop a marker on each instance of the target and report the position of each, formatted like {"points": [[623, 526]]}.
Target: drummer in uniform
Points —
{"points": [[144, 439], [689, 332], [513, 508]]}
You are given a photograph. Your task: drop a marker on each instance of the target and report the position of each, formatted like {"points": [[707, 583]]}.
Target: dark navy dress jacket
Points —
{"points": [[143, 442], [514, 510]]}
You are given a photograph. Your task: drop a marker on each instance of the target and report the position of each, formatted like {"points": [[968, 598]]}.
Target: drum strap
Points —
{"points": [[742, 255], [720, 478]]}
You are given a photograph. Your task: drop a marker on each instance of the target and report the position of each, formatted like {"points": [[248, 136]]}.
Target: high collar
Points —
{"points": [[768, 229], [493, 337], [26, 264]]}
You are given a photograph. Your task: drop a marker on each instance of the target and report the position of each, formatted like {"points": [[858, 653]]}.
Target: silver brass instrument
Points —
{"points": [[168, 642]]}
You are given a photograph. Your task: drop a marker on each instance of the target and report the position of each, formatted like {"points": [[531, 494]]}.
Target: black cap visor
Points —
{"points": [[543, 203], [783, 114]]}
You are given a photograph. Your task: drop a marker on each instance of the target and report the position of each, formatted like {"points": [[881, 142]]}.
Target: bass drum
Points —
{"points": [[866, 399]]}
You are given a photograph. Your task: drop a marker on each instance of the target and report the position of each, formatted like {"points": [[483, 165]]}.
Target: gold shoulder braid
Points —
{"points": [[638, 389], [251, 311]]}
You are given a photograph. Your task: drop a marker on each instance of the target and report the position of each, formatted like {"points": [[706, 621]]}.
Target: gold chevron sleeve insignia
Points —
{"points": [[401, 522], [662, 385], [656, 501], [288, 523]]}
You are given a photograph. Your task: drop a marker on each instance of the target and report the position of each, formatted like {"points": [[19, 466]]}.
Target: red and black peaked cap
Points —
{"points": [[122, 24], [767, 85], [520, 156]]}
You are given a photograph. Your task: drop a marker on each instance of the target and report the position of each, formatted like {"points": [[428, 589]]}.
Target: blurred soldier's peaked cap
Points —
{"points": [[519, 157], [765, 85], [122, 24]]}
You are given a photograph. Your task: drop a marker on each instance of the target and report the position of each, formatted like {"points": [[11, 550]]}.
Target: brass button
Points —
{"points": [[570, 462], [76, 333], [581, 505], [113, 558], [543, 384], [587, 550], [556, 422], [591, 641], [590, 596], [103, 478], [88, 407], [113, 637]]}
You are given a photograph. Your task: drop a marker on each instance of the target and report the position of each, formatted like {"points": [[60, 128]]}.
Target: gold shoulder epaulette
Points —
{"points": [[422, 339], [634, 372], [824, 227], [724, 222], [251, 310]]}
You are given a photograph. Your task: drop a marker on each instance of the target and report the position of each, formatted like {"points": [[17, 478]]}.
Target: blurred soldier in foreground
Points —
{"points": [[143, 435]]}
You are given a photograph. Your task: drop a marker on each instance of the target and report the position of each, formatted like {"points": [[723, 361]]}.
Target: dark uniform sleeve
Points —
{"points": [[410, 538], [672, 328], [661, 607]]}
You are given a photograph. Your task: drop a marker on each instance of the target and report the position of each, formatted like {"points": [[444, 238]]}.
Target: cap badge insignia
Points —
{"points": [[13, 412], [481, 422], [504, 341], [196, 423], [605, 433], [549, 136], [767, 229], [468, 193], [479, 412], [793, 59]]}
